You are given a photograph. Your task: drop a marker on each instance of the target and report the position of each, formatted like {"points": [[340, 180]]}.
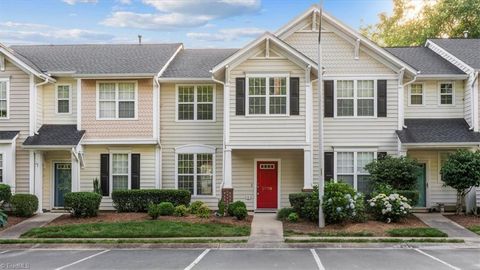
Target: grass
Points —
{"points": [[416, 232], [330, 233], [379, 240], [116, 241], [139, 229], [475, 229]]}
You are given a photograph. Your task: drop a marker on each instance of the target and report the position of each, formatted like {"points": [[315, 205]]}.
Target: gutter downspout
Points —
{"points": [[224, 123], [474, 98]]}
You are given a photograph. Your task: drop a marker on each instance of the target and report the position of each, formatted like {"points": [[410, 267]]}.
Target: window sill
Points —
{"points": [[195, 121], [117, 119], [266, 116]]}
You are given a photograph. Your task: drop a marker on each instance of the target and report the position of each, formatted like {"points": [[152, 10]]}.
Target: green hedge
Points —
{"points": [[5, 193], [24, 205], [231, 207], [138, 200], [412, 195], [297, 200], [83, 204]]}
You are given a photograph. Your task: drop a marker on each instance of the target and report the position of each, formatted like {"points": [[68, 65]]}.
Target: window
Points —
{"points": [[446, 93], [267, 95], [351, 169], [63, 98], [4, 98], [416, 94], [120, 172], [1, 168], [195, 102], [355, 98], [117, 100], [195, 173]]}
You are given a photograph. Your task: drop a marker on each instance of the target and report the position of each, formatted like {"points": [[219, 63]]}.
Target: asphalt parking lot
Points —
{"points": [[232, 259]]}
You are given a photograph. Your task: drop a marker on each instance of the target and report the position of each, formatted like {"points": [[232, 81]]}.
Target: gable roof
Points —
{"points": [[424, 60], [465, 49], [196, 63], [99, 59]]}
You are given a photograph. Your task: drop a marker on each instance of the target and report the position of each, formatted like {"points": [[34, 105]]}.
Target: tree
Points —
{"points": [[461, 171], [398, 172], [440, 19]]}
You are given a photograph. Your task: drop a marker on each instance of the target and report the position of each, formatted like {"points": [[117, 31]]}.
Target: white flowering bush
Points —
{"points": [[341, 203], [389, 208]]}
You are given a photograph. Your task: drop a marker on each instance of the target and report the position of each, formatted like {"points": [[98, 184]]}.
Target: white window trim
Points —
{"points": [[69, 98], [116, 118], [7, 80], [123, 152], [410, 95], [439, 94], [195, 103], [267, 95], [355, 97], [355, 173], [197, 149]]}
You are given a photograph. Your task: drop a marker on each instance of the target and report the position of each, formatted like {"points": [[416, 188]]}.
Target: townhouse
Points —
{"points": [[243, 123]]}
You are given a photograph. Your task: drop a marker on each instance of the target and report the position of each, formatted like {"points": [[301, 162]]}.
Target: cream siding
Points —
{"points": [[267, 129], [243, 173], [49, 158], [432, 107], [18, 120], [50, 115], [92, 167], [177, 133]]}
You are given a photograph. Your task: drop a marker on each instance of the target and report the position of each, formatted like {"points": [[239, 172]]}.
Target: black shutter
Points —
{"points": [[294, 96], [328, 162], [381, 155], [328, 90], [382, 98], [240, 96], [105, 174], [135, 171]]}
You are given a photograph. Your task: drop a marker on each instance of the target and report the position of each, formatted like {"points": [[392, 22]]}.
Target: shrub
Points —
{"points": [[389, 208], [412, 196], [138, 200], [24, 205], [180, 211], [5, 193], [221, 208], [398, 172], [240, 212], [195, 206], [154, 210], [341, 203], [203, 211], [83, 204], [284, 212], [3, 218], [311, 207], [231, 207], [293, 217], [297, 200], [166, 208]]}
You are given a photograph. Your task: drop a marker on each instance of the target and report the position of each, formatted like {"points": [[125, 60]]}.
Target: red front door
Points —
{"points": [[267, 185]]}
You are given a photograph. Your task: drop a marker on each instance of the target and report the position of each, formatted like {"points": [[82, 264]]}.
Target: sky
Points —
{"points": [[196, 23]]}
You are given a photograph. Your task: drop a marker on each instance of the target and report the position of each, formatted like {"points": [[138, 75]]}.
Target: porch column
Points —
{"points": [[75, 173], [227, 189], [307, 170], [38, 178]]}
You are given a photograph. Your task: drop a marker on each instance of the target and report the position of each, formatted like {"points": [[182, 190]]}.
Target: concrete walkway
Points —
{"points": [[438, 221], [266, 229], [39, 220]]}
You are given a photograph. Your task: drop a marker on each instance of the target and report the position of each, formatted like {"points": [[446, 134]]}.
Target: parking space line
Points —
{"points": [[436, 259], [198, 259], [82, 260], [317, 259], [5, 251]]}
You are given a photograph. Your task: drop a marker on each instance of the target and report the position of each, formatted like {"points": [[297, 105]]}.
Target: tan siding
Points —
{"points": [[243, 167], [48, 174], [19, 120], [267, 129], [107, 129], [174, 134], [50, 116], [432, 109]]}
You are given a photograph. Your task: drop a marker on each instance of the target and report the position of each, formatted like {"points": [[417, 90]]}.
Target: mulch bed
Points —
{"points": [[377, 228], [123, 217], [13, 220], [465, 221]]}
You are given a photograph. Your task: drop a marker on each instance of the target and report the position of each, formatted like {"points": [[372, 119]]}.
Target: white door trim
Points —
{"points": [[279, 177]]}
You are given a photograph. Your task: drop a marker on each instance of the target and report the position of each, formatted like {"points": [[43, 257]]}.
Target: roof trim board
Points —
{"points": [[459, 63], [24, 66], [162, 70]]}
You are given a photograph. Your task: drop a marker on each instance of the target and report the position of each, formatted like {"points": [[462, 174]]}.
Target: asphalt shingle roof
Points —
{"points": [[98, 59], [465, 49], [454, 130], [8, 135], [424, 60], [196, 63], [56, 135]]}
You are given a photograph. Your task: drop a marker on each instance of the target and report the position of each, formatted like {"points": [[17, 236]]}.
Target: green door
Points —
{"points": [[63, 182], [422, 186]]}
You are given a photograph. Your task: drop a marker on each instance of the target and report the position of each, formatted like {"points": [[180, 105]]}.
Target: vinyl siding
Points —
{"points": [[177, 133], [431, 107], [92, 167], [50, 116], [243, 173], [18, 121], [48, 174], [267, 129], [107, 129]]}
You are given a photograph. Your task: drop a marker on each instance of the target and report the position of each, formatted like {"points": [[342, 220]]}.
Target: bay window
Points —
{"points": [[267, 95], [355, 98], [195, 102], [117, 100], [350, 169]]}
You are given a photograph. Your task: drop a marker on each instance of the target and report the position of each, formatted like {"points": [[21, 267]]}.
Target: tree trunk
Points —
{"points": [[459, 204]]}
